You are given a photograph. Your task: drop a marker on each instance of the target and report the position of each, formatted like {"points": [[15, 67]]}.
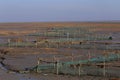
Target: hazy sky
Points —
{"points": [[59, 10]]}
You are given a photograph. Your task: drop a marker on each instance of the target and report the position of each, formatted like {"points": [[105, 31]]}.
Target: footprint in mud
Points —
{"points": [[25, 77]]}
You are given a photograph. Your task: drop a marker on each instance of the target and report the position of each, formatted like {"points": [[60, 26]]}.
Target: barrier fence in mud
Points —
{"points": [[94, 66], [72, 37], [70, 44]]}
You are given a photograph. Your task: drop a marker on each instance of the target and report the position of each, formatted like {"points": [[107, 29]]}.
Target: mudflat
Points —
{"points": [[22, 44]]}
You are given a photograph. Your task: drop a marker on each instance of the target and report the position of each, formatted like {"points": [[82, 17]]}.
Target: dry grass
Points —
{"points": [[26, 28]]}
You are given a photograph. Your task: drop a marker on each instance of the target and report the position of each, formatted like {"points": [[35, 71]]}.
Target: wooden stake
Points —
{"points": [[104, 73], [38, 63], [54, 60], [57, 67], [36, 44], [89, 55], [16, 43], [9, 43], [118, 54], [72, 57], [79, 69]]}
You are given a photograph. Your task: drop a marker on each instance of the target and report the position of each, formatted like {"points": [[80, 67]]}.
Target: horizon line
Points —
{"points": [[115, 21]]}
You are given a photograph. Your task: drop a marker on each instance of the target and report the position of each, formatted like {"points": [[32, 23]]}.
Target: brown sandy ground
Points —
{"points": [[25, 28]]}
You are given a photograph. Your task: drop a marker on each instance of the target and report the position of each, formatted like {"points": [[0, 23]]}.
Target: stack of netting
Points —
{"points": [[82, 67]]}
